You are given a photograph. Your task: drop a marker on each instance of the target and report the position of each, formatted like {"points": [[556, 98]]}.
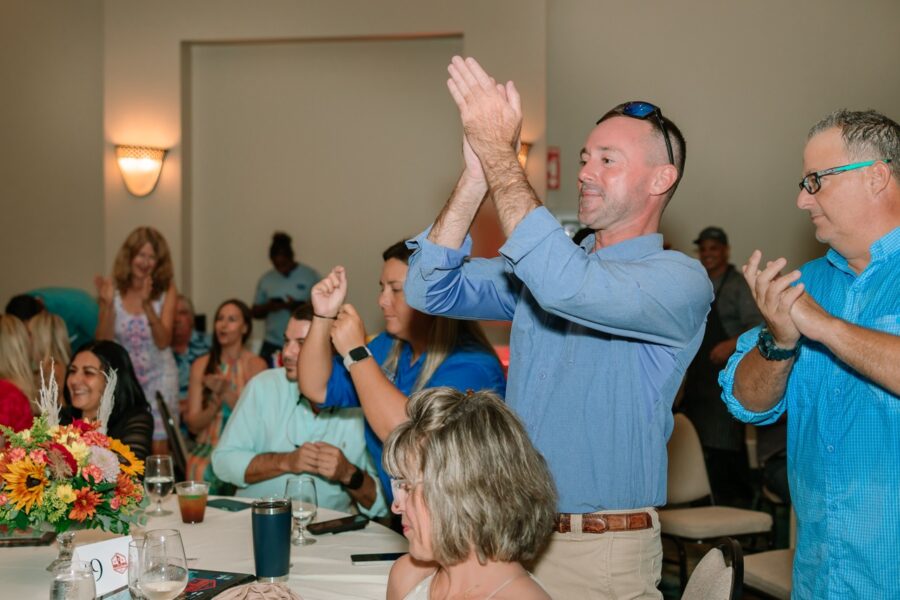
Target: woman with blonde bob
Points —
{"points": [[475, 498], [137, 310]]}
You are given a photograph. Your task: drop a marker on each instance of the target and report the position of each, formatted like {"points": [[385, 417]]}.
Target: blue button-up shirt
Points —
{"points": [[843, 438], [599, 344]]}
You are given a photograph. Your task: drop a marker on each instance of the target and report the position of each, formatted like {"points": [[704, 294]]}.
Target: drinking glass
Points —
{"points": [[159, 480], [301, 491], [164, 572], [73, 580], [135, 553]]}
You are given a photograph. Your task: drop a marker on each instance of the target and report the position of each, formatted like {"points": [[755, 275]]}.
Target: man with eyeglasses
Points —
{"points": [[829, 356], [601, 333], [275, 432]]}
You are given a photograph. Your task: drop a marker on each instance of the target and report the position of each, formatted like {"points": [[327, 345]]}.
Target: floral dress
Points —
{"points": [[155, 368]]}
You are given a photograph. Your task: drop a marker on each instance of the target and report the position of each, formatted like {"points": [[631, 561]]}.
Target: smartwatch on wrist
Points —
{"points": [[356, 480], [356, 355], [768, 349]]}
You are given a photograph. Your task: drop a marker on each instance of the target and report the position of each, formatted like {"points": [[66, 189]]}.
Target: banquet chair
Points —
{"points": [[176, 441], [719, 574], [769, 573], [690, 515]]}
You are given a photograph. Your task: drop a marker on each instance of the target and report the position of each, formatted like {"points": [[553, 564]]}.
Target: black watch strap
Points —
{"points": [[356, 480], [768, 349]]}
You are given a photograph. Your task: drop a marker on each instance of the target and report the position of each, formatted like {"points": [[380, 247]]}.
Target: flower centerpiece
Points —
{"points": [[66, 477]]}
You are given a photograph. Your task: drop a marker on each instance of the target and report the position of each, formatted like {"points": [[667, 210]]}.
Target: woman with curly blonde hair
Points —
{"points": [[137, 310]]}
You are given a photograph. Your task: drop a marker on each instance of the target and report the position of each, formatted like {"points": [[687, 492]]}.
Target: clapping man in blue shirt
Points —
{"points": [[829, 355], [601, 333]]}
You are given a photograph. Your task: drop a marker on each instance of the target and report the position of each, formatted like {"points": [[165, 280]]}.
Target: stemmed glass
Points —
{"points": [[301, 491], [135, 553], [164, 572], [159, 480], [73, 580]]}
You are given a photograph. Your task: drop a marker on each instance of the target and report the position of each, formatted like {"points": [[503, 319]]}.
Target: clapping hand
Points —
{"points": [[775, 297], [105, 289], [348, 331], [329, 294], [491, 113], [146, 289], [332, 464]]}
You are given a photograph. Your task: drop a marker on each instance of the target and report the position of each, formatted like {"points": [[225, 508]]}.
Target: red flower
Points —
{"points": [[61, 461], [85, 505], [84, 426], [95, 438]]}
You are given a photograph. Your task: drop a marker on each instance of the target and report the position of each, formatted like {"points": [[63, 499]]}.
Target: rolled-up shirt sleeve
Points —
{"points": [[446, 281], [746, 343], [662, 300]]}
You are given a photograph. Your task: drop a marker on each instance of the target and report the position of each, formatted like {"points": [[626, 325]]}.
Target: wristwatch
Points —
{"points": [[356, 355], [356, 480], [768, 349]]}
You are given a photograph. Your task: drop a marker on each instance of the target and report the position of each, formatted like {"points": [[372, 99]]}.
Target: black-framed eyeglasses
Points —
{"points": [[638, 109], [812, 183]]}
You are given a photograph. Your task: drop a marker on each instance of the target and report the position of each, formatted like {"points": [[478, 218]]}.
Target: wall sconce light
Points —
{"points": [[140, 167], [524, 149]]}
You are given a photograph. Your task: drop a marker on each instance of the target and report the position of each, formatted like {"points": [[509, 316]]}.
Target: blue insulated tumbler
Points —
{"points": [[272, 538]]}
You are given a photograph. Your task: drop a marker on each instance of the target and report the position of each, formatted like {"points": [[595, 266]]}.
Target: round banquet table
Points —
{"points": [[223, 542]]}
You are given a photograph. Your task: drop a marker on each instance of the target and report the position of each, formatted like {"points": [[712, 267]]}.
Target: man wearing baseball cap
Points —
{"points": [[733, 312]]}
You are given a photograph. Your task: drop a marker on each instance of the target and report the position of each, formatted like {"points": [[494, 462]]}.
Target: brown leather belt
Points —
{"points": [[601, 523]]}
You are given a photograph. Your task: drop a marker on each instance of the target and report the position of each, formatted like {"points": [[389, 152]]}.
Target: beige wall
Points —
{"points": [[144, 78], [348, 146], [51, 197], [744, 81]]}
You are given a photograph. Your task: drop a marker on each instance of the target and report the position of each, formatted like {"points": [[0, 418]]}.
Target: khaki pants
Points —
{"points": [[620, 565]]}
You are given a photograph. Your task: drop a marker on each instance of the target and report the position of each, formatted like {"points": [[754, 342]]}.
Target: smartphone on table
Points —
{"points": [[338, 525], [380, 558]]}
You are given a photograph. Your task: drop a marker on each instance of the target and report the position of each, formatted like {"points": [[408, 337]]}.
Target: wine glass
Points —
{"points": [[135, 553], [73, 580], [159, 480], [164, 573], [301, 491]]}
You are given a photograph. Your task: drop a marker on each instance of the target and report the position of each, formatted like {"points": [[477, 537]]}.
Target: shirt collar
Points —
{"points": [[882, 249], [634, 248]]}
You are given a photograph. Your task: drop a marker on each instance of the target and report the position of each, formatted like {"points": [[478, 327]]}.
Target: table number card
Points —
{"points": [[109, 561]]}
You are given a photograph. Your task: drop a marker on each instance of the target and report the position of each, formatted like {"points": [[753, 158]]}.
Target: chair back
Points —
{"points": [[687, 478], [719, 574], [176, 442]]}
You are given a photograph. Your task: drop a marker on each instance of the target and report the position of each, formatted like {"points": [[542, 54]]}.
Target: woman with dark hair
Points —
{"points": [[137, 310], [217, 380], [416, 351], [279, 291], [131, 421]]}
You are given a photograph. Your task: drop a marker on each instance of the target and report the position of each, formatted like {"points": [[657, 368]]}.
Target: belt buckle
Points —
{"points": [[603, 522]]}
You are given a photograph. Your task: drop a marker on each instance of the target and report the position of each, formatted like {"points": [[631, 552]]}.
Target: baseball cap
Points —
{"points": [[713, 233]]}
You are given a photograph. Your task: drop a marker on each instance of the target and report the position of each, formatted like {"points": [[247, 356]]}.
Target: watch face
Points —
{"points": [[359, 353]]}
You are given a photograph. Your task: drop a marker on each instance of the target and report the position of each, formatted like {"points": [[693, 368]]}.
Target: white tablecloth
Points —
{"points": [[321, 571]]}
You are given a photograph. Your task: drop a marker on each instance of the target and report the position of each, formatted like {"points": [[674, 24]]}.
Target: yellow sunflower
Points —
{"points": [[130, 464], [26, 482]]}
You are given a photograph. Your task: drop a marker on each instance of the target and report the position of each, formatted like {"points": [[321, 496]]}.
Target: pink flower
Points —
{"points": [[15, 455], [3, 500], [114, 503], [95, 438], [38, 457], [92, 471]]}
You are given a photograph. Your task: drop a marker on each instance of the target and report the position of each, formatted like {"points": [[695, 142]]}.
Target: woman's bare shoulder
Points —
{"points": [[405, 575], [523, 588]]}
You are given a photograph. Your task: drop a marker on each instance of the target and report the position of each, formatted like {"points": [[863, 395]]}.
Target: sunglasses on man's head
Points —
{"points": [[644, 110]]}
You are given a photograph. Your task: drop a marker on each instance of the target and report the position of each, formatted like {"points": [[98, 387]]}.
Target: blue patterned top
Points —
{"points": [[843, 438]]}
